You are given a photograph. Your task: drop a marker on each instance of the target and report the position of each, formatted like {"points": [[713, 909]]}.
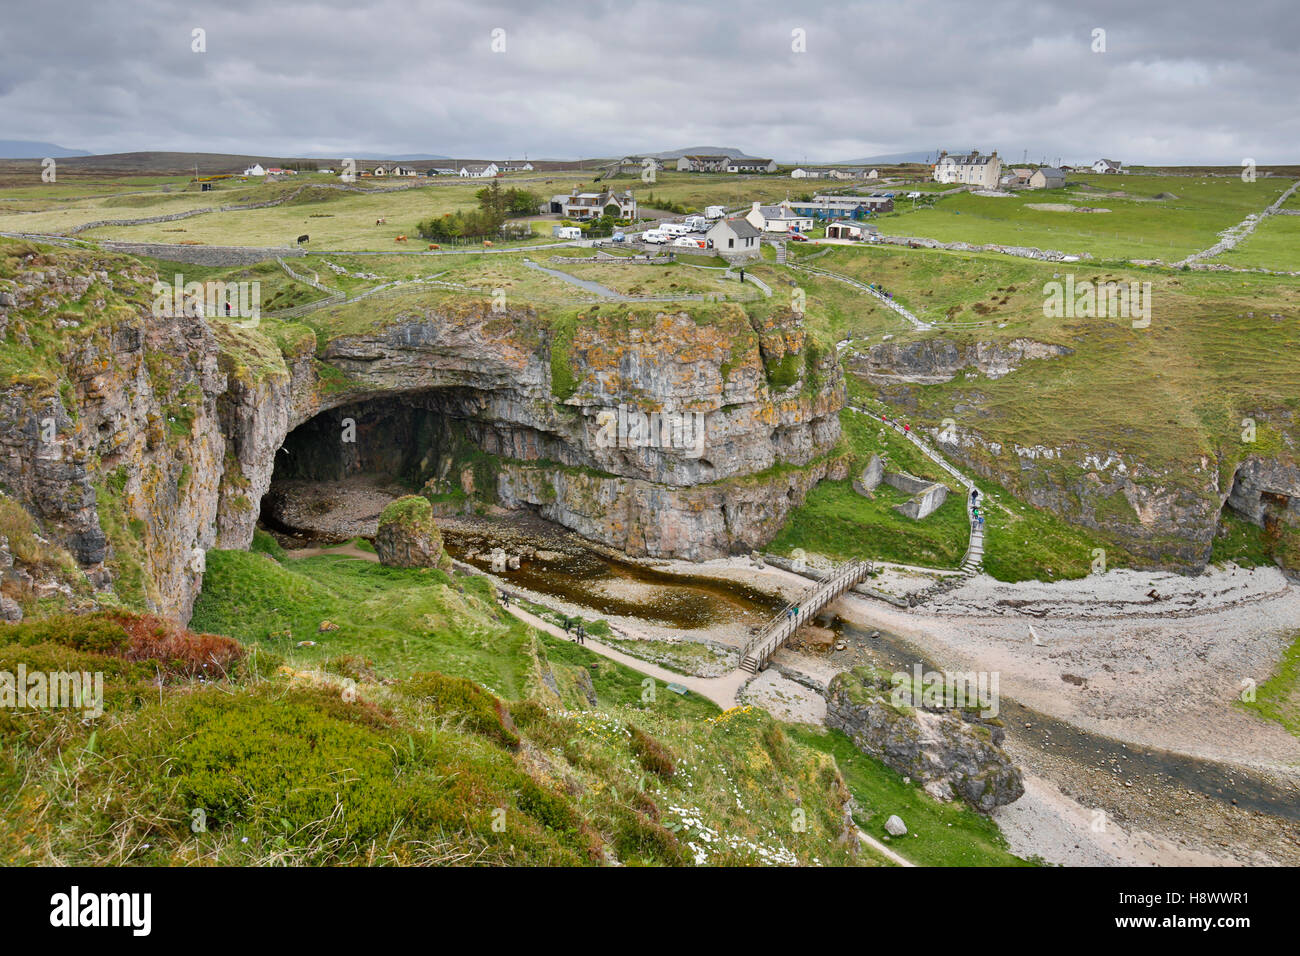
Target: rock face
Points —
{"points": [[930, 361], [143, 441], [407, 536], [955, 753], [867, 482]]}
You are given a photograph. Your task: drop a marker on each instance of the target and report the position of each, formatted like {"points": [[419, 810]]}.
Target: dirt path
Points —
{"points": [[721, 690]]}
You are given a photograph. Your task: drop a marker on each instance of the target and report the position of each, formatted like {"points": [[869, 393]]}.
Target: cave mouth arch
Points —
{"points": [[335, 472]]}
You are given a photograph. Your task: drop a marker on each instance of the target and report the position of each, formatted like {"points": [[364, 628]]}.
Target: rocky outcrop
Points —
{"points": [[408, 536], [953, 753], [930, 361]]}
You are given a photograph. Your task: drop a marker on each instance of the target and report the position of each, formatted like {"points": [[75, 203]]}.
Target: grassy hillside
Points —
{"points": [[1147, 217]]}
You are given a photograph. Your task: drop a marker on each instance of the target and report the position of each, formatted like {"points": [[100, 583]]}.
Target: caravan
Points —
{"points": [[566, 232], [675, 228], [714, 212]]}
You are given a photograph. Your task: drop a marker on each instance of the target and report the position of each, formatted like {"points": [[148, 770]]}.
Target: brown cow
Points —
{"points": [[434, 245], [381, 222], [400, 239]]}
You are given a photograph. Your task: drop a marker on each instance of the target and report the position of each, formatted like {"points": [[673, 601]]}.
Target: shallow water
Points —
{"points": [[579, 576]]}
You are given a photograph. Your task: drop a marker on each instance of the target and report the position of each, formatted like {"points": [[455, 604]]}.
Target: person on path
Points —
{"points": [[582, 634]]}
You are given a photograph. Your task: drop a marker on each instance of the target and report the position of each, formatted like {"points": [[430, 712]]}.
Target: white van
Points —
{"points": [[715, 212], [697, 223], [675, 228], [656, 237], [566, 232]]}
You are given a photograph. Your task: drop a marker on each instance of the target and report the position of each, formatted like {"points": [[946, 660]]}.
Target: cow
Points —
{"points": [[303, 238], [381, 222], [487, 242], [434, 245], [400, 239]]}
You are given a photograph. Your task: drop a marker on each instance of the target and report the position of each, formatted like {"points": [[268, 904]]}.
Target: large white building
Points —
{"points": [[971, 169]]}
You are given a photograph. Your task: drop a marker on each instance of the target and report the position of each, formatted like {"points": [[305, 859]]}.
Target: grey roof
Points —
{"points": [[1052, 172], [741, 227], [969, 159]]}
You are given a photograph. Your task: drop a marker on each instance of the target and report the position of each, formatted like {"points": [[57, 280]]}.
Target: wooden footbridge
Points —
{"points": [[799, 612]]}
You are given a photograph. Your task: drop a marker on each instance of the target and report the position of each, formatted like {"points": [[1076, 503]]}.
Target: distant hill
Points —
{"points": [[32, 149], [887, 159], [702, 151]]}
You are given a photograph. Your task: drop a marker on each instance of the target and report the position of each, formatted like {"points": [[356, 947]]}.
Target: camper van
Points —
{"points": [[715, 212], [697, 223], [566, 232], [655, 237], [675, 228]]}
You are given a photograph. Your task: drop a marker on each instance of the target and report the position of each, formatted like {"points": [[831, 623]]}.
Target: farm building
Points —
{"points": [[848, 229], [1047, 177]]}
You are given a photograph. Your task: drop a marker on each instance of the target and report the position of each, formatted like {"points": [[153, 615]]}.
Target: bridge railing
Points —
{"points": [[799, 611]]}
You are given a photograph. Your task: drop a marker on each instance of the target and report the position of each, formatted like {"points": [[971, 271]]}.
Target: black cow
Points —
{"points": [[303, 238]]}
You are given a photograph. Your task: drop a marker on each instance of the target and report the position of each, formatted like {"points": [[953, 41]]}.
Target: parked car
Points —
{"points": [[619, 237], [655, 237], [798, 237]]}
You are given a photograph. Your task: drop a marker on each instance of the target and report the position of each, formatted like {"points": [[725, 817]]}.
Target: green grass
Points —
{"points": [[1137, 225], [1278, 698], [1275, 244], [938, 834], [837, 522]]}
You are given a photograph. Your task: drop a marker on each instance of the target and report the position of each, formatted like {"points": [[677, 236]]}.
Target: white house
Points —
{"points": [[971, 169], [403, 171], [515, 167], [751, 166], [578, 205], [802, 173], [874, 174], [1106, 166], [255, 170], [733, 237], [778, 218], [479, 170]]}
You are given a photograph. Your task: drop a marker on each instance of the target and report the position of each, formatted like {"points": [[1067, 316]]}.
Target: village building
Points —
{"points": [[849, 229], [733, 237], [1047, 177], [970, 169], [778, 218]]}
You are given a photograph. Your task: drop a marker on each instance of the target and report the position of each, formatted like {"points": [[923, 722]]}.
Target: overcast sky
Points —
{"points": [[1193, 81]]}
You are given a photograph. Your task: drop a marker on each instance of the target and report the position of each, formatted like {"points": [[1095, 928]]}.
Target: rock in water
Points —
{"points": [[950, 752], [408, 537], [894, 826]]}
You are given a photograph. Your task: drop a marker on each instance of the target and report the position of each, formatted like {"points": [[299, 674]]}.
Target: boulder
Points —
{"points": [[408, 537], [894, 826], [950, 752]]}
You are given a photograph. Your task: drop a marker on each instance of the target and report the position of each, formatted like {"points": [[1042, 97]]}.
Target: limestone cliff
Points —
{"points": [[139, 441]]}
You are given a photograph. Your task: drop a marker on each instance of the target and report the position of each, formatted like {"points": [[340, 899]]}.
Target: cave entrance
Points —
{"points": [[337, 471]]}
